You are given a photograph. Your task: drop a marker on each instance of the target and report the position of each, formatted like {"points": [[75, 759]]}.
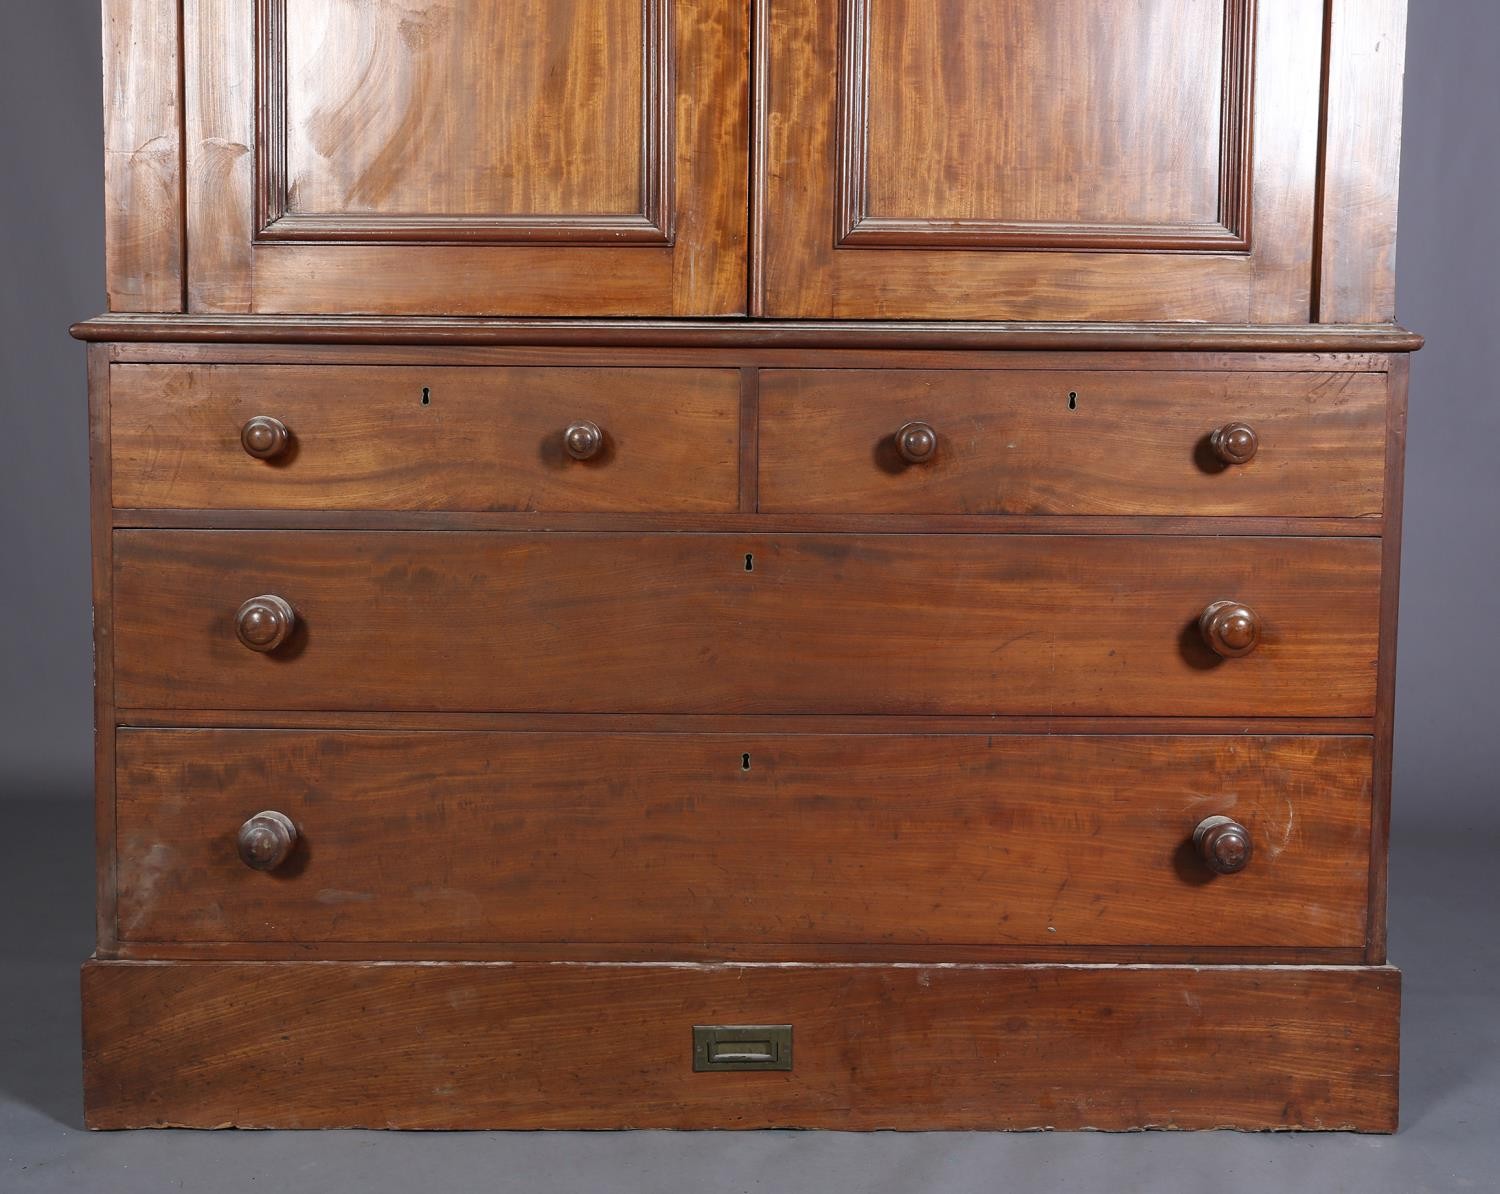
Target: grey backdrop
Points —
{"points": [[1447, 824]]}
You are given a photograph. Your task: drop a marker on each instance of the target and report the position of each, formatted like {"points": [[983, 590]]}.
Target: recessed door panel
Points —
{"points": [[1041, 159], [522, 157]]}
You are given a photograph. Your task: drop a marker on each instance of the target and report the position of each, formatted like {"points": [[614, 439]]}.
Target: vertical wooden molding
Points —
{"points": [[1385, 678], [143, 232], [760, 86], [1356, 266], [100, 502]]}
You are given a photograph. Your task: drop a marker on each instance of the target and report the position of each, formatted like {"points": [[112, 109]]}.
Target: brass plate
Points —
{"points": [[725, 1047]]}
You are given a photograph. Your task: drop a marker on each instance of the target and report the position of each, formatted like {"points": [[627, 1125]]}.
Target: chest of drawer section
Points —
{"points": [[854, 662]]}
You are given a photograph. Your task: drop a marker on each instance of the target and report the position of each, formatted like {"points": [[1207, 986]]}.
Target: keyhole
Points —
{"points": [[744, 762], [426, 395], [1073, 400], [749, 567]]}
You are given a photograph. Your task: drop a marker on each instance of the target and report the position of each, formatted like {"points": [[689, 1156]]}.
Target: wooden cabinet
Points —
{"points": [[658, 539]]}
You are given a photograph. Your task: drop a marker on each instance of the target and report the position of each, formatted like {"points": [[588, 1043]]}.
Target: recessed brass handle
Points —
{"points": [[1230, 629], [266, 839], [263, 623], [1235, 443], [583, 440], [1223, 844], [917, 442], [265, 438]]}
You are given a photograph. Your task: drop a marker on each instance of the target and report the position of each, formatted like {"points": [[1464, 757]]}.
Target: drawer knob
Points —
{"points": [[583, 440], [265, 438], [266, 839], [917, 442], [1230, 629], [1223, 844], [1235, 443], [265, 622]]}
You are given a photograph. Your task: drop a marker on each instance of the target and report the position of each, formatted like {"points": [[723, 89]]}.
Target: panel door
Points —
{"points": [[510, 157], [1041, 159]]}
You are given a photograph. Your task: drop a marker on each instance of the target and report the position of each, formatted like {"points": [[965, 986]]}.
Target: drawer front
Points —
{"points": [[1011, 442], [535, 1045], [454, 836], [397, 438], [694, 623]]}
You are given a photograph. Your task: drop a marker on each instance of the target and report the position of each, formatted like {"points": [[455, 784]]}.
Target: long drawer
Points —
{"points": [[405, 438], [1080, 442], [445, 836], [692, 623], [379, 1045]]}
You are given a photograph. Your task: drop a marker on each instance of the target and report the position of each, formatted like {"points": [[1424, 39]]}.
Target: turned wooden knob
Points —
{"points": [[266, 839], [583, 440], [917, 442], [1223, 844], [1234, 443], [265, 438], [1230, 629], [265, 622]]}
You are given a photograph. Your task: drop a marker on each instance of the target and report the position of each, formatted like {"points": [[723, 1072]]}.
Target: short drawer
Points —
{"points": [[456, 836], [695, 623], [399, 438], [1086, 442]]}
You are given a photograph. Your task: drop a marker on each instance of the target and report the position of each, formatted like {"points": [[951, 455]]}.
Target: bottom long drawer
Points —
{"points": [[715, 839], [562, 1045]]}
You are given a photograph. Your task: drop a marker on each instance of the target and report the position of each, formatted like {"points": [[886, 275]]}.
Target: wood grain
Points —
{"points": [[143, 226], [807, 277], [1361, 161], [1071, 443], [101, 566], [662, 623], [444, 836], [1026, 135], [696, 268], [1010, 336], [458, 1045], [531, 109], [427, 438], [1385, 680]]}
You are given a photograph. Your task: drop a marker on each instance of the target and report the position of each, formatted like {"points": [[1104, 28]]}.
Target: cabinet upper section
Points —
{"points": [[1222, 161]]}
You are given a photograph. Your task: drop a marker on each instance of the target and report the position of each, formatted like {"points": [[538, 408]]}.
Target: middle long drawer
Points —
{"points": [[697, 623]]}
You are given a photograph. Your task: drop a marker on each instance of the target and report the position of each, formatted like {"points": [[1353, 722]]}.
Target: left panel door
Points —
{"points": [[466, 157]]}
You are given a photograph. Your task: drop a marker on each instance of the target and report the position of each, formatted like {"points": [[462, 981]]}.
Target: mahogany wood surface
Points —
{"points": [[531, 158], [863, 335], [427, 438], [144, 238], [881, 524], [1048, 123], [893, 624], [1385, 682], [839, 74], [102, 586], [453, 836], [559, 1045], [438, 121], [1071, 443], [617, 516], [1361, 161]]}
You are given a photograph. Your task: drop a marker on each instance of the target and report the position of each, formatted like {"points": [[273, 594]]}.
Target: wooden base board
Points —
{"points": [[594, 1045]]}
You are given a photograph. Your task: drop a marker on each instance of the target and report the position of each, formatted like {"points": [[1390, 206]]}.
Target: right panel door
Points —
{"points": [[1040, 159]]}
